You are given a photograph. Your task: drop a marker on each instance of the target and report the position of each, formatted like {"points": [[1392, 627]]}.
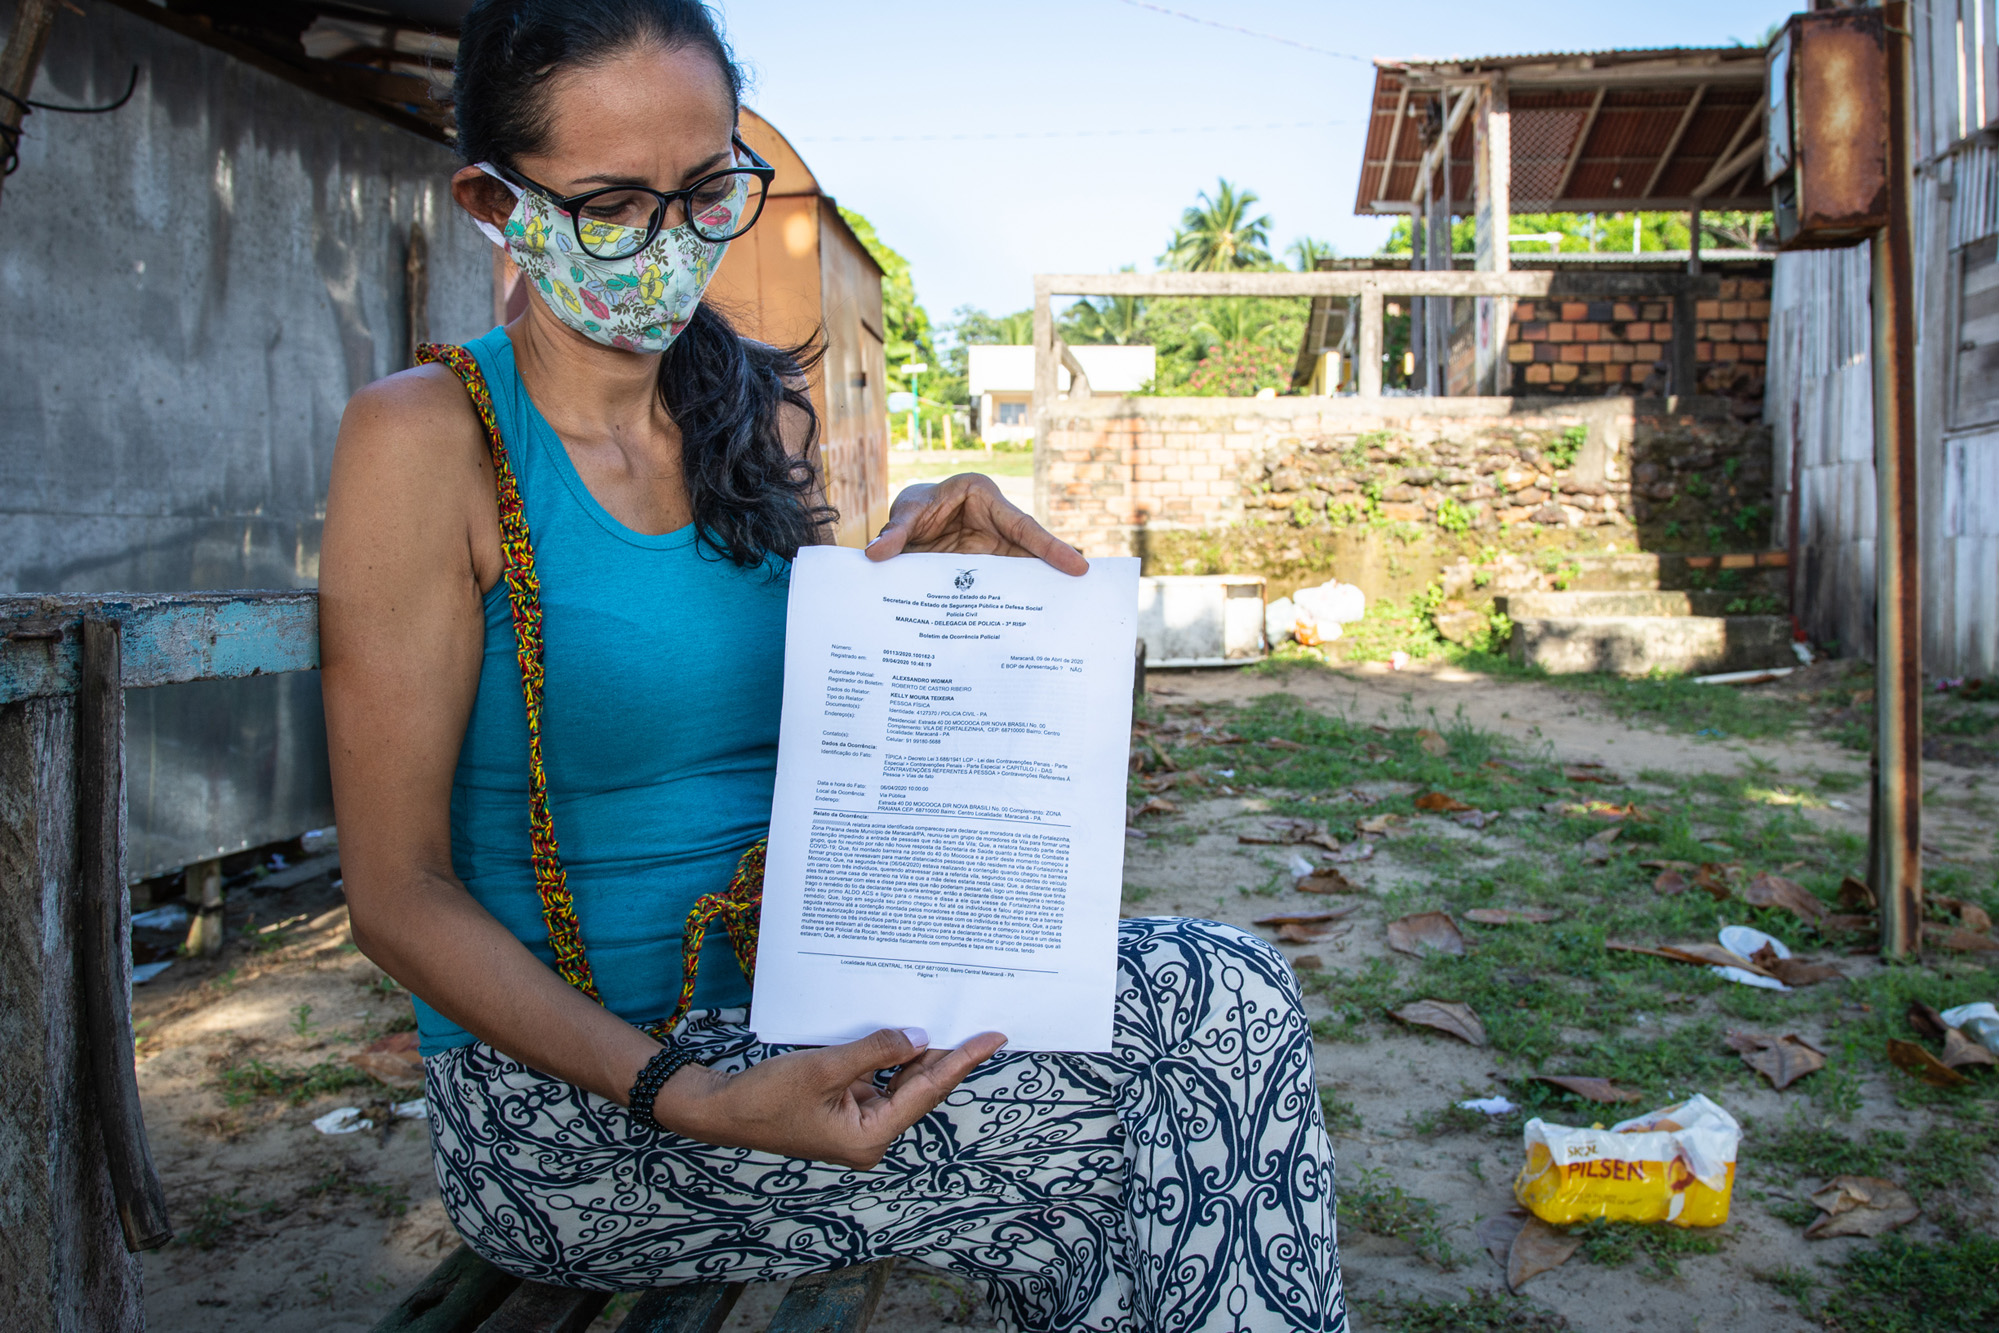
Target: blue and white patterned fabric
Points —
{"points": [[1182, 1182]]}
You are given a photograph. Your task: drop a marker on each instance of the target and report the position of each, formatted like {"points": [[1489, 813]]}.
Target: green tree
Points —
{"points": [[907, 324], [1306, 252], [1119, 320], [1218, 234], [1186, 330], [1237, 369], [1608, 233]]}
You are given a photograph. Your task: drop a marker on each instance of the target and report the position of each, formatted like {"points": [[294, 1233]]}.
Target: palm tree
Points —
{"points": [[1305, 252], [1119, 320], [1017, 328], [1218, 234], [1230, 320]]}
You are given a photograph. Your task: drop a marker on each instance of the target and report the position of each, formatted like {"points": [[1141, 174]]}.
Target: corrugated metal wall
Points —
{"points": [[1820, 400], [197, 282]]}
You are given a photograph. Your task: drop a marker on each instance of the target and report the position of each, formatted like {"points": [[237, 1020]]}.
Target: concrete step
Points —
{"points": [[1636, 645], [1541, 605], [1639, 571]]}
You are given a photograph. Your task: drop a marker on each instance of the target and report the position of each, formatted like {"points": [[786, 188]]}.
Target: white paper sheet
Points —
{"points": [[947, 838]]}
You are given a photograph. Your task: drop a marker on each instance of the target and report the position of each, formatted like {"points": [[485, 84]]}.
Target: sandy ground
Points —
{"points": [[310, 1232]]}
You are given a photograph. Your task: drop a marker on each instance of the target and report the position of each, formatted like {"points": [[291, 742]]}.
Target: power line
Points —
{"points": [[1246, 32], [1072, 134]]}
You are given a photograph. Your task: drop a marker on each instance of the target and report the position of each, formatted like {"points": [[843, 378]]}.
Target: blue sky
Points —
{"points": [[1066, 162]]}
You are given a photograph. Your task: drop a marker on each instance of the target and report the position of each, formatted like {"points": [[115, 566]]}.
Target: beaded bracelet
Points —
{"points": [[663, 1066]]}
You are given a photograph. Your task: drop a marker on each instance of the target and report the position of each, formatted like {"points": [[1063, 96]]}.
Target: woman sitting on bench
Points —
{"points": [[553, 621]]}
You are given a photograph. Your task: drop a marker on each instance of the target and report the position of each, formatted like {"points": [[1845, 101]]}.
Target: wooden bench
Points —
{"points": [[85, 1198], [465, 1294]]}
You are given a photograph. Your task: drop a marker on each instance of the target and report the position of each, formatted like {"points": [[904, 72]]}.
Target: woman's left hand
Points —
{"points": [[967, 515]]}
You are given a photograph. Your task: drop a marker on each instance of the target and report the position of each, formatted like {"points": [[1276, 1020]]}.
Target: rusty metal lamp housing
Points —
{"points": [[1826, 132]]}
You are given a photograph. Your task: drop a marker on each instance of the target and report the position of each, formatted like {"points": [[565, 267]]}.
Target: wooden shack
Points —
{"points": [[802, 270]]}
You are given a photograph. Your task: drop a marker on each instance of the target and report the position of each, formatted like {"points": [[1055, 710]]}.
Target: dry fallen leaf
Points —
{"points": [[1326, 880], [1538, 1248], [1768, 890], [392, 1060], [1666, 865], [1591, 1089], [1354, 851], [1376, 824], [1308, 962], [1279, 743], [1960, 940], [1596, 849], [1283, 832], [1913, 1059], [1306, 934], [1425, 932], [1432, 743], [1960, 1051], [1714, 877], [1855, 895], [1588, 773], [1307, 918], [1670, 883], [1794, 971], [1509, 916], [1158, 805], [1496, 1233], [1969, 915], [1861, 1206], [1926, 1021], [1781, 1060], [1439, 803], [1446, 1016], [1848, 925], [1475, 819]]}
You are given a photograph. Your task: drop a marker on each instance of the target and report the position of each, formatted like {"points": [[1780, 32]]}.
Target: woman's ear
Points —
{"points": [[483, 197]]}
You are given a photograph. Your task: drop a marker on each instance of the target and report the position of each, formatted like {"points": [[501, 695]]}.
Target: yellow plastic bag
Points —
{"points": [[1674, 1165]]}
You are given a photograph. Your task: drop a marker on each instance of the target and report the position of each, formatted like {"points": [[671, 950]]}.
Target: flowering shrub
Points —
{"points": [[1239, 369]]}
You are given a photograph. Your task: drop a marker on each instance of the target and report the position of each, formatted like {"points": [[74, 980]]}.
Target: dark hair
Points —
{"points": [[751, 497]]}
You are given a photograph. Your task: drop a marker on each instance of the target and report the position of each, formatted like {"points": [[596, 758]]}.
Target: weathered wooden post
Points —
{"points": [[78, 1194]]}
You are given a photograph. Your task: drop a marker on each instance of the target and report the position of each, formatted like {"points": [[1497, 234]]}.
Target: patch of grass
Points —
{"points": [[1795, 1283], [214, 1218], [253, 1079], [1907, 1286], [1356, 998], [1659, 1245], [1375, 1205], [1944, 1160], [1341, 1117], [1478, 1312], [1450, 1118]]}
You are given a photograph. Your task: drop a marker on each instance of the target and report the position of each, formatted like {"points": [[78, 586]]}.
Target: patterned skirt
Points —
{"points": [[1184, 1181]]}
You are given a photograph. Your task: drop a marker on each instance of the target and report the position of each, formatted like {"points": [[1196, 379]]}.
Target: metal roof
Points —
{"points": [[1599, 131]]}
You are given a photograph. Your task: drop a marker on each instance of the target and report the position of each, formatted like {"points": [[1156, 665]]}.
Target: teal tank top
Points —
{"points": [[664, 669]]}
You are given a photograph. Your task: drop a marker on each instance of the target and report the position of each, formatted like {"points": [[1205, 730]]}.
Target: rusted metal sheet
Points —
{"points": [[1827, 149], [168, 638]]}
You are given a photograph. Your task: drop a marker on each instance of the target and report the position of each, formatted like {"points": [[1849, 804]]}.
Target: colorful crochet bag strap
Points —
{"points": [[739, 906]]}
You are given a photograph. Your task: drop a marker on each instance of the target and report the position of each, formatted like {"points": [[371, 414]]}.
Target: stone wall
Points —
{"points": [[1388, 490]]}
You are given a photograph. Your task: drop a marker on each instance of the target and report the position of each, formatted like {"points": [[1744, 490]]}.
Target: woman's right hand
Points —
{"points": [[821, 1104]]}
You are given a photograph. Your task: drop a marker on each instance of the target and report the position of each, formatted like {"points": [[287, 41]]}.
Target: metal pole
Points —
{"points": [[1898, 667], [19, 61]]}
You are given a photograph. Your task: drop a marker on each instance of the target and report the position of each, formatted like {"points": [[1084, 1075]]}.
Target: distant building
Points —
{"points": [[1002, 382]]}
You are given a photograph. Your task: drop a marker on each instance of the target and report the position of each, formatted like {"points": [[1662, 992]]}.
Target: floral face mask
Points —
{"points": [[640, 303]]}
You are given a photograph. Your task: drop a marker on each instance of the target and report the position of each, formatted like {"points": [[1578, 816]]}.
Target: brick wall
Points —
{"points": [[1598, 347]]}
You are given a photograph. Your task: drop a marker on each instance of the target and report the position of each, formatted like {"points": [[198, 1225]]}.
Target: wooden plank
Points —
{"points": [[457, 1296], [1322, 282], [842, 1301], [105, 959], [1672, 145], [63, 1261], [536, 1307], [694, 1307], [167, 638], [1576, 148]]}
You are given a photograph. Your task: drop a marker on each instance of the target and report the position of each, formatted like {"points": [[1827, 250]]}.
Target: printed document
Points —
{"points": [[947, 838]]}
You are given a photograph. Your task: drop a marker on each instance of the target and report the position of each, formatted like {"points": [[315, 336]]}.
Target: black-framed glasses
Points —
{"points": [[618, 221]]}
